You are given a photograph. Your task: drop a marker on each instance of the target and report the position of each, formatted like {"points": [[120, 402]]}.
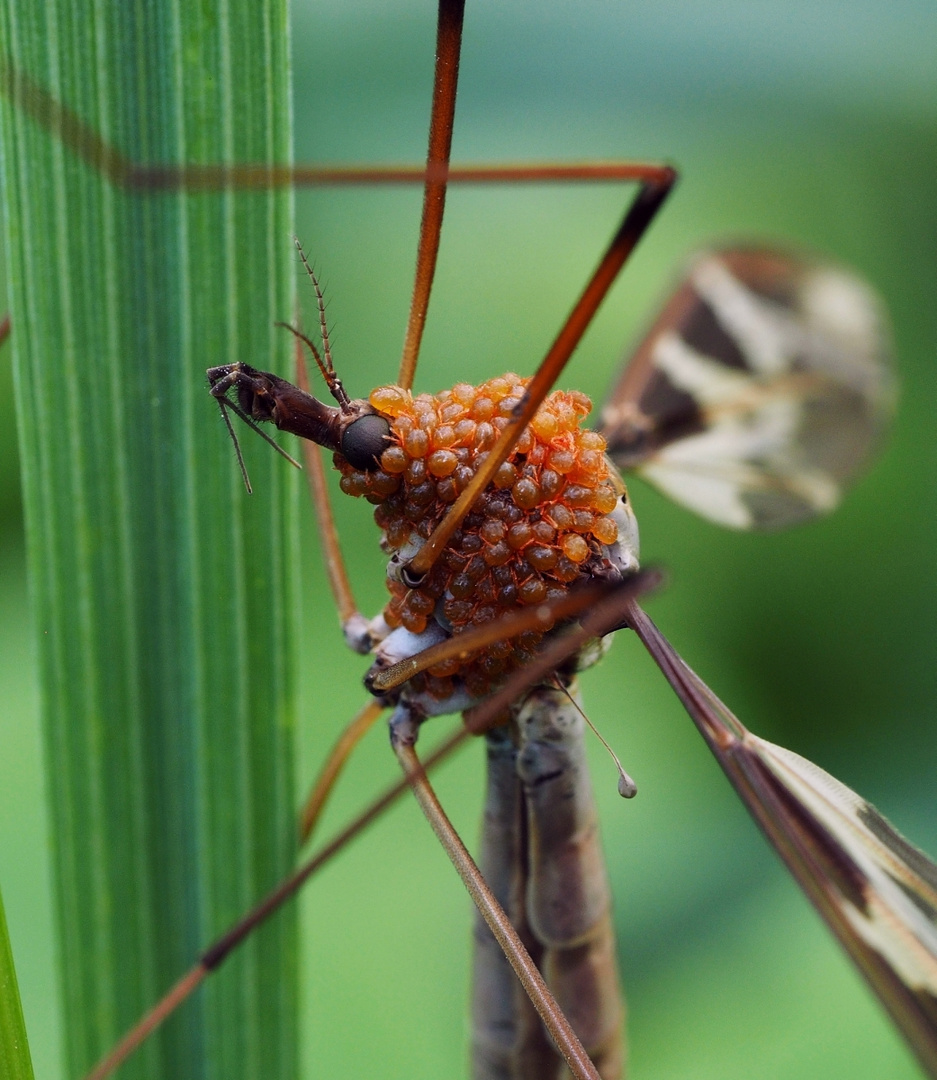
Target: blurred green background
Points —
{"points": [[810, 124]]}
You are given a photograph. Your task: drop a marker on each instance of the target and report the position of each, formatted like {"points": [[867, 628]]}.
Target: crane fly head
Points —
{"points": [[353, 428]]}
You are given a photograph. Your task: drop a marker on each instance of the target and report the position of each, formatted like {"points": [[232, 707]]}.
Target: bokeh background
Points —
{"points": [[809, 124]]}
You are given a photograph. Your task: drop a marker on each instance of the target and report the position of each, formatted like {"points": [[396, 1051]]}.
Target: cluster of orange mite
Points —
{"points": [[541, 523]]}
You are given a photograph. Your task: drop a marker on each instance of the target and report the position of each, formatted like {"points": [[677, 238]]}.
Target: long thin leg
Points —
{"points": [[197, 178], [542, 617], [639, 215], [88, 145], [353, 734], [354, 624], [445, 86], [219, 950], [656, 181], [602, 617], [507, 1037], [494, 915], [563, 347]]}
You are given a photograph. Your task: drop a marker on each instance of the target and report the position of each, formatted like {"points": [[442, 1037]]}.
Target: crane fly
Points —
{"points": [[755, 396], [753, 400]]}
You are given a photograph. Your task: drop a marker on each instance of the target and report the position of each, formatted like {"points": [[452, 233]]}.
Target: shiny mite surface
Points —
{"points": [[541, 524]]}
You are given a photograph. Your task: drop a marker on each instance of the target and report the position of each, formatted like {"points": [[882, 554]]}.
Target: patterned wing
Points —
{"points": [[760, 390], [876, 892]]}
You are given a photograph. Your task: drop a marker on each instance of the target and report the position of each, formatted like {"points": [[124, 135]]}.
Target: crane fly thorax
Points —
{"points": [[556, 513]]}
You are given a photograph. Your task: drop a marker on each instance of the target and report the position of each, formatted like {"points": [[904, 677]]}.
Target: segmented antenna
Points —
{"points": [[334, 383]]}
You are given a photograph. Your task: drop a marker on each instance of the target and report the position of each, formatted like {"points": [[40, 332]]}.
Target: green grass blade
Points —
{"points": [[163, 595], [15, 1063]]}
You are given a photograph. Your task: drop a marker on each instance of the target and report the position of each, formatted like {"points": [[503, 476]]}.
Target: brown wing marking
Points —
{"points": [[760, 390], [876, 892]]}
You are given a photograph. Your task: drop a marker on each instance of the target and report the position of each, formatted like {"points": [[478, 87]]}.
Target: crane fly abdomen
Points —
{"points": [[542, 857], [555, 514]]}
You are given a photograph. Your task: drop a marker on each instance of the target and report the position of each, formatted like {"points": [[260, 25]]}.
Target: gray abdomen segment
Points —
{"points": [[541, 857]]}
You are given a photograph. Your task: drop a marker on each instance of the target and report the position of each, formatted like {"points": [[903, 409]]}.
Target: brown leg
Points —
{"points": [[601, 618], [445, 86], [403, 737], [641, 212]]}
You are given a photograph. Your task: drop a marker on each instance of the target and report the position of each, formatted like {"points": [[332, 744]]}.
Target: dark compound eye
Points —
{"points": [[365, 440]]}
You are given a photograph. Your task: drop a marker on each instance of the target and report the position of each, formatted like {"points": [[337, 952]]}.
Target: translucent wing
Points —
{"points": [[759, 391], [877, 892]]}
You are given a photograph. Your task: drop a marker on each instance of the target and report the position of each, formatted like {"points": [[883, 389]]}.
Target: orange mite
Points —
{"points": [[552, 514]]}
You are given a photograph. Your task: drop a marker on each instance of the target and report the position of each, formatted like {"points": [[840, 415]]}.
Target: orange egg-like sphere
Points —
{"points": [[542, 523]]}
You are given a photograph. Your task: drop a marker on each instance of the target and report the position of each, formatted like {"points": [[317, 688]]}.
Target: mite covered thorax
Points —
{"points": [[556, 513]]}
